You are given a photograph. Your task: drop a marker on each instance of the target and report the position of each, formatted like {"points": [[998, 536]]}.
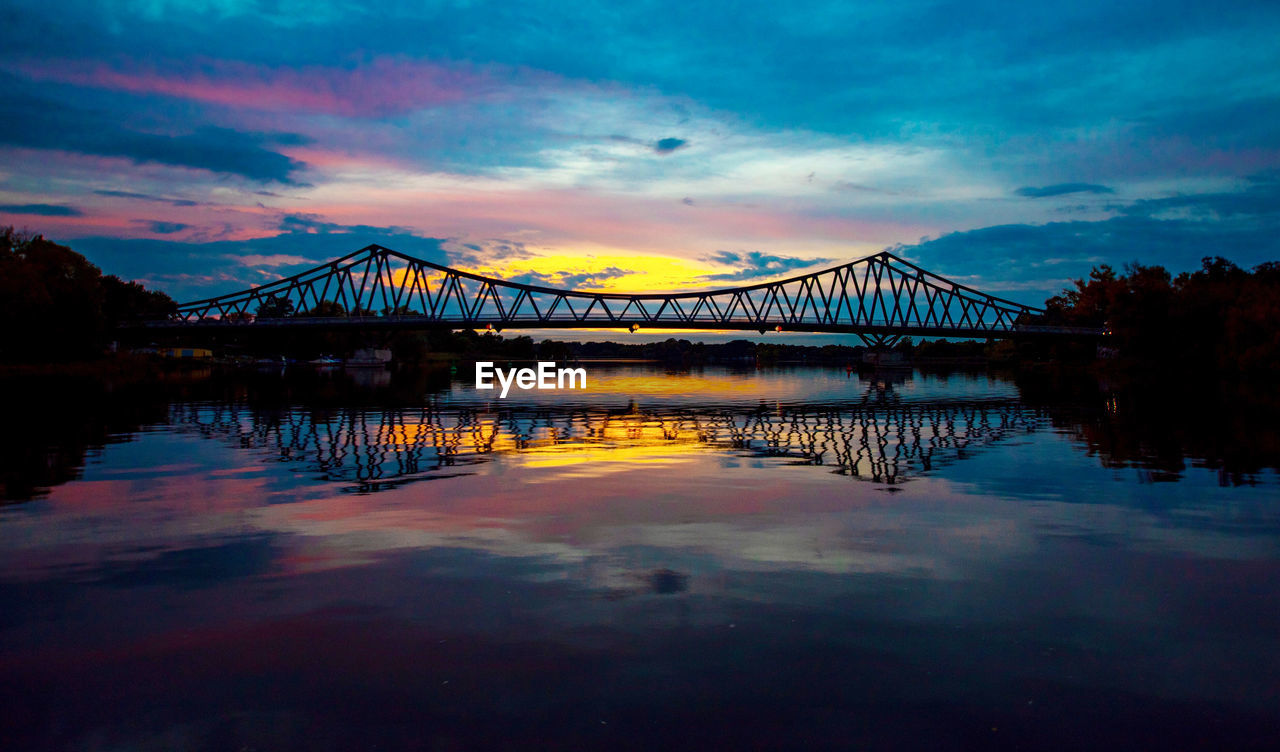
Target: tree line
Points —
{"points": [[55, 305], [1221, 317]]}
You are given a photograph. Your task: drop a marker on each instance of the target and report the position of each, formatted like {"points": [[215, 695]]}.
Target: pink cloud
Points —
{"points": [[343, 159], [580, 217], [385, 86]]}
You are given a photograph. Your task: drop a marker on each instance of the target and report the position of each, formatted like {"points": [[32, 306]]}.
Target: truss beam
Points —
{"points": [[883, 296]]}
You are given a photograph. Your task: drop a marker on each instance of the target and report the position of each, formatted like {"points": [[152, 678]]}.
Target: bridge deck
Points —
{"points": [[420, 322]]}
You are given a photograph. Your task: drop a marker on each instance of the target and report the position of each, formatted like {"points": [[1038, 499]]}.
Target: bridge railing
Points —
{"points": [[1087, 331]]}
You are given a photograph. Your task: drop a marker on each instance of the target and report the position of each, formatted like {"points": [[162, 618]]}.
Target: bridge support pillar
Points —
{"points": [[880, 340]]}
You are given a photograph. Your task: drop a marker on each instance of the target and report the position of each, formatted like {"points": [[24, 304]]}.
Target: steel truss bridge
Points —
{"points": [[880, 298], [375, 450]]}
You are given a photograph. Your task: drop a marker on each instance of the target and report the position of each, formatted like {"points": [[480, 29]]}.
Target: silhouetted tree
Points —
{"points": [[326, 309], [130, 301], [276, 307], [55, 304], [1220, 316]]}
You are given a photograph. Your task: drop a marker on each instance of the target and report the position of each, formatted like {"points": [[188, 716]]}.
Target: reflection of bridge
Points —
{"points": [[885, 442], [880, 298]]}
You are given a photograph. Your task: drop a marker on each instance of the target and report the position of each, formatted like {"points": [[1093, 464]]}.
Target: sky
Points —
{"points": [[206, 146]]}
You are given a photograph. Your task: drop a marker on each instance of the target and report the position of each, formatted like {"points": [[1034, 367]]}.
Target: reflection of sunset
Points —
{"points": [[621, 446], [613, 442], [546, 479], [719, 385]]}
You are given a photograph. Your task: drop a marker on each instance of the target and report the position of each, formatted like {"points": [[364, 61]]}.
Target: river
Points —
{"points": [[708, 558]]}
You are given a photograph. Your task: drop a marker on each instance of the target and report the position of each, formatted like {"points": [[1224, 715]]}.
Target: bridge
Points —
{"points": [[880, 298]]}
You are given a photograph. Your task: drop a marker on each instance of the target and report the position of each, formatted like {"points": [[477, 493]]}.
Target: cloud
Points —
{"points": [[661, 146], [180, 202], [563, 281], [1212, 123], [210, 148], [165, 228], [307, 223], [40, 123], [1261, 196], [849, 187], [756, 265], [279, 259], [834, 68], [1061, 189], [1040, 259], [297, 224], [668, 145], [189, 270], [592, 279], [41, 210], [384, 86], [783, 150], [488, 253]]}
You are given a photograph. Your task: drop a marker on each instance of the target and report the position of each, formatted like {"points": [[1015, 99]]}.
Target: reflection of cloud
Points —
{"points": [[687, 507], [357, 533], [666, 582], [763, 523], [194, 566]]}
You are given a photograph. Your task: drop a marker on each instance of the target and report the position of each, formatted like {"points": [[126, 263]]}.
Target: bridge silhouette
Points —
{"points": [[877, 439], [880, 298]]}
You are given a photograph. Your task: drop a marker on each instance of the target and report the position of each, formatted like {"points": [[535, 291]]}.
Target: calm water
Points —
{"points": [[790, 558]]}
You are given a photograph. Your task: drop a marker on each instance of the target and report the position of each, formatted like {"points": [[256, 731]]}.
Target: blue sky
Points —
{"points": [[201, 147]]}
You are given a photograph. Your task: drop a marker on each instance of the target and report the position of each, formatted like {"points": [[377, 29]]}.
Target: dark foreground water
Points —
{"points": [[777, 559]]}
